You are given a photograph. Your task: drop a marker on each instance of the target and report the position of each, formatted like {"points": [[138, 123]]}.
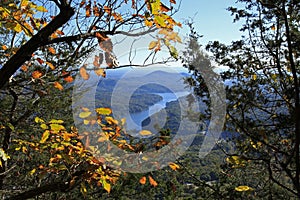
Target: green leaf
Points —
{"points": [[11, 126], [173, 52]]}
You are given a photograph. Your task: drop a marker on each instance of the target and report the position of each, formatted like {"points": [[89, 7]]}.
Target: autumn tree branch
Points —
{"points": [[26, 51]]}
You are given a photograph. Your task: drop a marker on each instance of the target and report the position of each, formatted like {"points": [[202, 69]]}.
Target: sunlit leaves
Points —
{"points": [[36, 74], [41, 9], [50, 65], [243, 188], [145, 132], [106, 185], [103, 111], [236, 161], [45, 136], [85, 114], [152, 181], [38, 120], [143, 180], [52, 50], [174, 166], [58, 85]]}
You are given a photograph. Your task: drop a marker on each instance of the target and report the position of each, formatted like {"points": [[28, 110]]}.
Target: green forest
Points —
{"points": [[237, 136]]}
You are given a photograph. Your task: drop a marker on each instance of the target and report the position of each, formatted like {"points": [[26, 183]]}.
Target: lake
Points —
{"points": [[134, 121]]}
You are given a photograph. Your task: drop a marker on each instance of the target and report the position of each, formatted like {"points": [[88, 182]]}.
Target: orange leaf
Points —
{"points": [[51, 50], [100, 72], [24, 68], [83, 73], [107, 9], [173, 1], [82, 3], [88, 10], [40, 60], [69, 79], [173, 166], [36, 74], [58, 85], [152, 181], [4, 47], [118, 17], [60, 32], [96, 11], [143, 180], [50, 65]]}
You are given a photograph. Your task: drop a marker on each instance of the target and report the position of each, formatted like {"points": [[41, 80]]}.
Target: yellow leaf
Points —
{"points": [[44, 126], [100, 72], [86, 122], [57, 127], [153, 44], [18, 28], [38, 120], [41, 9], [243, 188], [83, 189], [56, 121], [254, 77], [174, 166], [111, 120], [32, 172], [145, 132], [123, 121], [143, 180], [152, 181], [106, 186], [45, 136], [103, 111], [84, 114], [58, 85]]}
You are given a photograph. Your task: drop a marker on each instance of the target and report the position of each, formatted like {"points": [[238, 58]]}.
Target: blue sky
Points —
{"points": [[211, 19]]}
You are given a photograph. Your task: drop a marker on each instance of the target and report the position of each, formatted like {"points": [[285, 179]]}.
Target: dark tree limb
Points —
{"points": [[26, 51]]}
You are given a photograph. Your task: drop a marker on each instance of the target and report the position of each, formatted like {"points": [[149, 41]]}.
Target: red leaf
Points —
{"points": [[40, 60], [173, 1]]}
